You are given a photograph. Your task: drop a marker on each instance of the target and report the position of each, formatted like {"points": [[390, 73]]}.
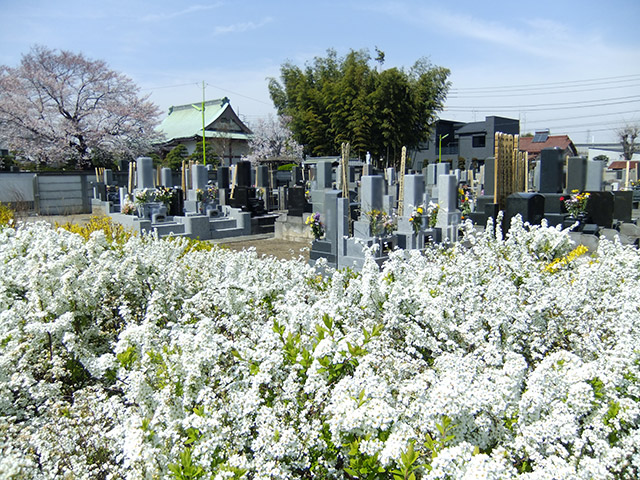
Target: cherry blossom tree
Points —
{"points": [[273, 138], [59, 106]]}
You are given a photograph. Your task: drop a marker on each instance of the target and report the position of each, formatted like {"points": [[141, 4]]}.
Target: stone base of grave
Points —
{"points": [[263, 223], [353, 255], [410, 240], [323, 249]]}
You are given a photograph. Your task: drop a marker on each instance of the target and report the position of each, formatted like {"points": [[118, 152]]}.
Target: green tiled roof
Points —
{"points": [[185, 121]]}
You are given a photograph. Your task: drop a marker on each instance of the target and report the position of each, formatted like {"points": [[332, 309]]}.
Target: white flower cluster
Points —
{"points": [[154, 360]]}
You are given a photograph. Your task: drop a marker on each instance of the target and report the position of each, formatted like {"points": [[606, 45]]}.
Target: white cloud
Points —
{"points": [[157, 17], [241, 27]]}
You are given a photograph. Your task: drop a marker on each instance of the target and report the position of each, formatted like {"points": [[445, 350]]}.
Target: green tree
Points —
{"points": [[335, 100], [212, 155], [176, 156]]}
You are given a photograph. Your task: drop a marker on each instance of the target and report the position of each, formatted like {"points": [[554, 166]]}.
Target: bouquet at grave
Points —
{"points": [[145, 195], [432, 214], [164, 195], [416, 219], [200, 195], [576, 203], [464, 200], [211, 192], [381, 223], [317, 227], [260, 193], [128, 207]]}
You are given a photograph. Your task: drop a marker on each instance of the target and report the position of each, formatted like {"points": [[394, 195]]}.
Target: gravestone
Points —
{"points": [[576, 173], [372, 188], [324, 174], [144, 171], [530, 206], [296, 201], [262, 176], [600, 208], [414, 197], [594, 175], [296, 176], [623, 205], [223, 185], [243, 174], [166, 177], [448, 215], [550, 165], [107, 176]]}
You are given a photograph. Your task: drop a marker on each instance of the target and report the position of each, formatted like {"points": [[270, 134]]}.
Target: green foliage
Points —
{"points": [[408, 465], [185, 469], [287, 167], [334, 100], [363, 466]]}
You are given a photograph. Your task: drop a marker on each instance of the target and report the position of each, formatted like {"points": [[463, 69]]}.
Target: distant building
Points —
{"points": [[462, 142], [224, 130], [542, 139]]}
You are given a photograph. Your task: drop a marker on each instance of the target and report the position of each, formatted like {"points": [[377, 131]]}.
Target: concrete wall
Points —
{"points": [[48, 194]]}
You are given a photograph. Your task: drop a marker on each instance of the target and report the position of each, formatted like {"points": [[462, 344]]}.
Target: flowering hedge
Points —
{"points": [[514, 358]]}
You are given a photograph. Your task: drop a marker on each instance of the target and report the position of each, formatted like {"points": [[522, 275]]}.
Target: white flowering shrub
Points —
{"points": [[497, 358]]}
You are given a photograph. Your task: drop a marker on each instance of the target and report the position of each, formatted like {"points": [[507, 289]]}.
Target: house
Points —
{"points": [[542, 139], [223, 129], [458, 142]]}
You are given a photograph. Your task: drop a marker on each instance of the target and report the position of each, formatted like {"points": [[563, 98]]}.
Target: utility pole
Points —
{"points": [[201, 109]]}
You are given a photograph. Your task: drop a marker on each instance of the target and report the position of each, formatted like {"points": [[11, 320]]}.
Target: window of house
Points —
{"points": [[479, 141]]}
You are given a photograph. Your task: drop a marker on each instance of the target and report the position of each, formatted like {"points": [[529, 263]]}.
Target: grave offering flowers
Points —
{"points": [[317, 227], [432, 213], [128, 207], [576, 203], [144, 195], [381, 223], [464, 200], [163, 195], [147, 358], [416, 219]]}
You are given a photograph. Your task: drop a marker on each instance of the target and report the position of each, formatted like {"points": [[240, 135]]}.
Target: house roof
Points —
{"points": [[185, 121], [553, 141], [622, 165]]}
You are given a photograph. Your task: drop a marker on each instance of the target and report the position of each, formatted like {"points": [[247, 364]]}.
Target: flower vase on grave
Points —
{"points": [[144, 211]]}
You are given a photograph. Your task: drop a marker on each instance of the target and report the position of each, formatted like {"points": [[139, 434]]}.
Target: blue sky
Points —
{"points": [[570, 66]]}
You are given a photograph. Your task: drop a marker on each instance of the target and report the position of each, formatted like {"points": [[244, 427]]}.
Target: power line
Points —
{"points": [[528, 93], [549, 106], [573, 83]]}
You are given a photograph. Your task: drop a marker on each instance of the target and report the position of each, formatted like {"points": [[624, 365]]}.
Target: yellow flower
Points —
{"points": [[419, 210]]}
